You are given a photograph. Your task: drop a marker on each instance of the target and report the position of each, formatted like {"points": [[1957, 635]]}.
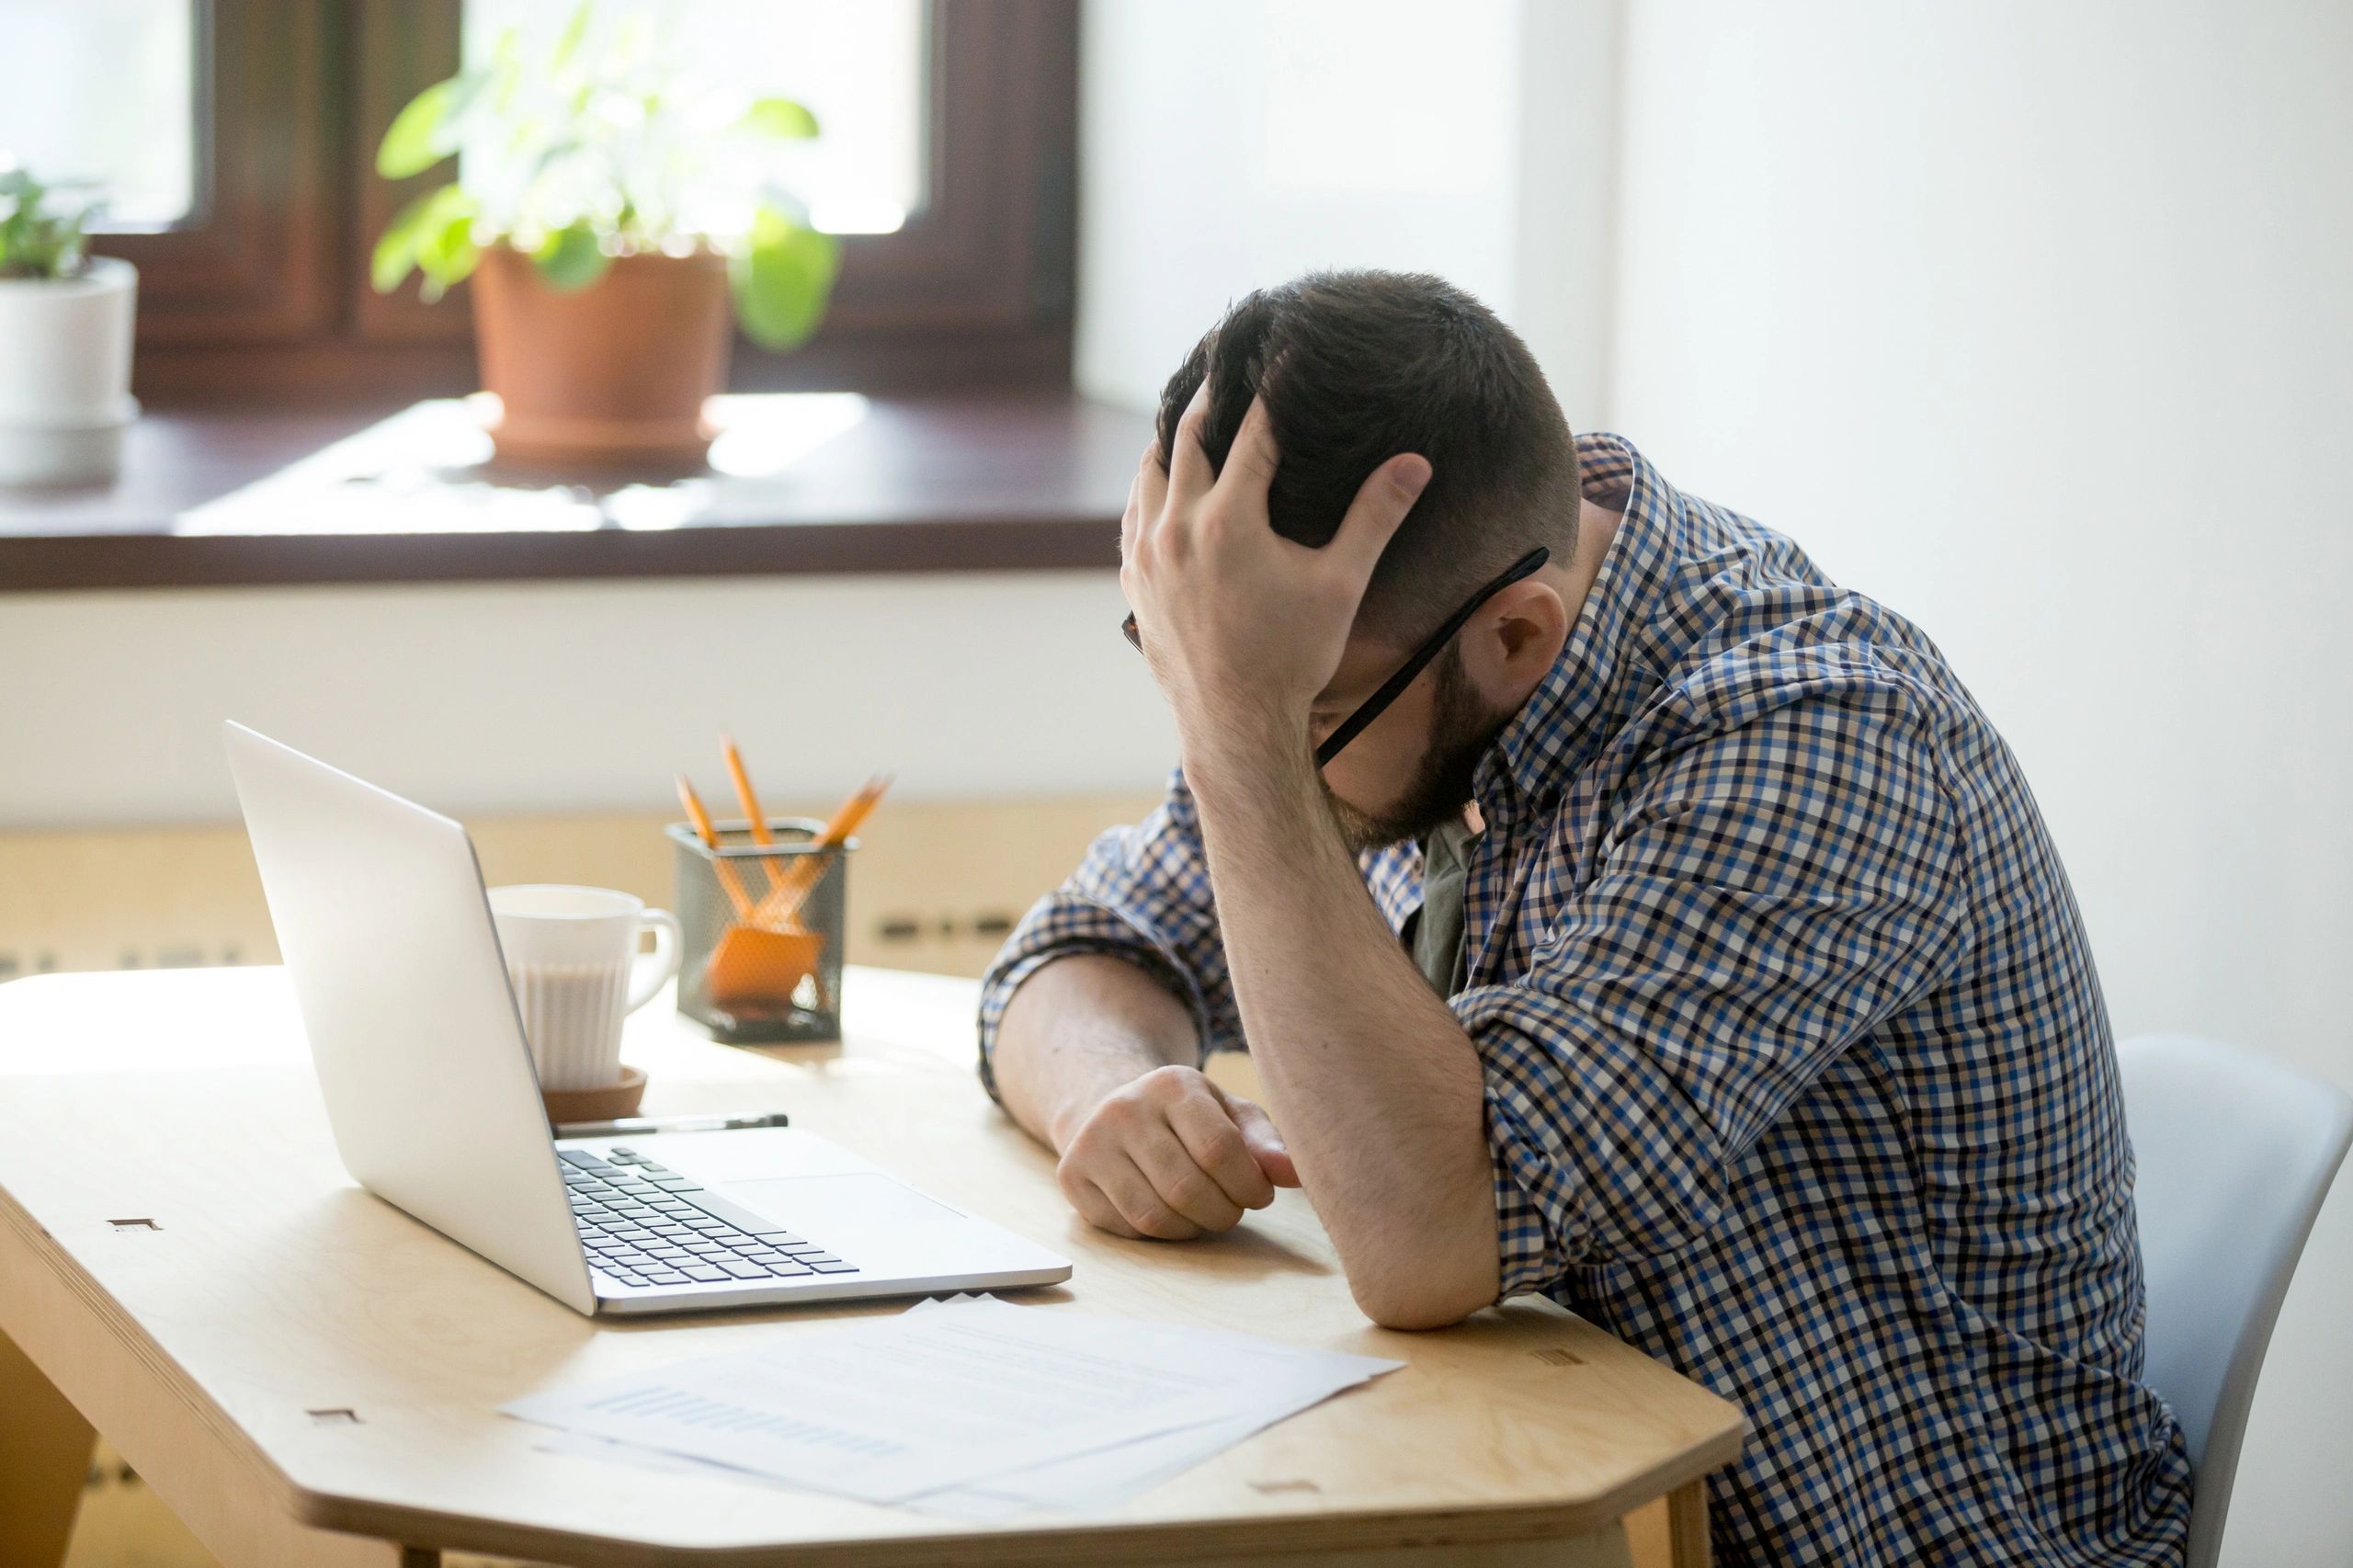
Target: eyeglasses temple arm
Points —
{"points": [[1378, 703]]}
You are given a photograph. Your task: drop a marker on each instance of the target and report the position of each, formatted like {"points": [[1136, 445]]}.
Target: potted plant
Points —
{"points": [[65, 326], [606, 205]]}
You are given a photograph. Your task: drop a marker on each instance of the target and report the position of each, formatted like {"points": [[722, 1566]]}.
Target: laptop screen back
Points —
{"points": [[387, 935]]}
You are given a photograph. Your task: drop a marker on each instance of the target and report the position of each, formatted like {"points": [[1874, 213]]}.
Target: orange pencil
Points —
{"points": [[750, 803], [710, 837], [853, 811], [784, 900], [758, 818]]}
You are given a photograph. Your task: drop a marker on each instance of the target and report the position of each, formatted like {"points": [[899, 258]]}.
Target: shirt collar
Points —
{"points": [[1601, 676]]}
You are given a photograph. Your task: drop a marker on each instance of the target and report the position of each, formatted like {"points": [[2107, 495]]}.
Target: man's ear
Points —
{"points": [[1513, 640]]}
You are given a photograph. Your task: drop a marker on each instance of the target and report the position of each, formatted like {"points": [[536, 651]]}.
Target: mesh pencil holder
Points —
{"points": [[761, 932]]}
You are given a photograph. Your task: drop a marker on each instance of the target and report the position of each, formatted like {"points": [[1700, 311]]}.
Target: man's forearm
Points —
{"points": [[1078, 1028], [1380, 1092]]}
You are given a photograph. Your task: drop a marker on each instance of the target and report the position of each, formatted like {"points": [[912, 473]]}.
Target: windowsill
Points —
{"points": [[825, 483]]}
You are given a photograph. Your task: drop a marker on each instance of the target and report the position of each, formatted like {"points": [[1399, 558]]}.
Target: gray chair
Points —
{"points": [[2235, 1151]]}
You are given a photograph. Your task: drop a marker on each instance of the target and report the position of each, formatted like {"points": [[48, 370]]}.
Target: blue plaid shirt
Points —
{"points": [[1798, 1073]]}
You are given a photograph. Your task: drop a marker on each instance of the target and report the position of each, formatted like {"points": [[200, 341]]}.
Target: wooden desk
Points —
{"points": [[183, 1263]]}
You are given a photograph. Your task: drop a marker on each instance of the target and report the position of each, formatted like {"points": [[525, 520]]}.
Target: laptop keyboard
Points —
{"points": [[646, 1224]]}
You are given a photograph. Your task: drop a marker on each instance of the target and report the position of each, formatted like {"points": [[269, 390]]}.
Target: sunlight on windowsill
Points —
{"points": [[430, 470]]}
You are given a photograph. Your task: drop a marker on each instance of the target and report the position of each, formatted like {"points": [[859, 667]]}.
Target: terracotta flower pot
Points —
{"points": [[615, 372]]}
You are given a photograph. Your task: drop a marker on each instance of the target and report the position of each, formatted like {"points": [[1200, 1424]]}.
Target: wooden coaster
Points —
{"points": [[607, 1103]]}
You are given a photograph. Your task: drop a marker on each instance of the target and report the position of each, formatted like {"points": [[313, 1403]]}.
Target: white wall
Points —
{"points": [[505, 697], [1231, 144], [1227, 144], [2036, 321]]}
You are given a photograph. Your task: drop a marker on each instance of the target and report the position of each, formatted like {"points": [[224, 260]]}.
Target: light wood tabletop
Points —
{"points": [[307, 1375]]}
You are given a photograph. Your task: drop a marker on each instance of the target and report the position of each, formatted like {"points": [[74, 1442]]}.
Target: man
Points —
{"points": [[1681, 942]]}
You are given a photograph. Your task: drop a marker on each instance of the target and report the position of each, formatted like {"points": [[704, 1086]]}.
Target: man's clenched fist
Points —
{"points": [[1170, 1155]]}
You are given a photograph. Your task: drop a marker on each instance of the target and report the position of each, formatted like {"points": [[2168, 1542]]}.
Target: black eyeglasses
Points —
{"points": [[1378, 703]]}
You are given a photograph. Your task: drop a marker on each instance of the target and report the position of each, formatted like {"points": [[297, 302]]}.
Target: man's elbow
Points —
{"points": [[1411, 1301]]}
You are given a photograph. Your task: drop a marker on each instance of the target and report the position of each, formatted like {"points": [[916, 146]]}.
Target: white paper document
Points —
{"points": [[973, 1407]]}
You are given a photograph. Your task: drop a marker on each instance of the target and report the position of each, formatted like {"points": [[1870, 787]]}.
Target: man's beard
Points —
{"points": [[1459, 738]]}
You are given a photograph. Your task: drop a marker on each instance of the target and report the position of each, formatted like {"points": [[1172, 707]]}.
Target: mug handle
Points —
{"points": [[651, 971]]}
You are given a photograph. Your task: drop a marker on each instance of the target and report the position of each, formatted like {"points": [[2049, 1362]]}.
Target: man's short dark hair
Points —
{"points": [[1358, 367]]}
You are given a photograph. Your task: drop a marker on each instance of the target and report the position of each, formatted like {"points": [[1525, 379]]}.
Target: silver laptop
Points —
{"points": [[386, 930]]}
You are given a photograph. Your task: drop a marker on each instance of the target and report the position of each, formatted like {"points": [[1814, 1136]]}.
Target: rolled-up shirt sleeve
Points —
{"points": [[1764, 896], [1142, 893]]}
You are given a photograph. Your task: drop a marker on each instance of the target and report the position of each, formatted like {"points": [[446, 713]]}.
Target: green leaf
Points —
{"points": [[433, 233], [571, 258], [780, 117], [507, 68], [395, 254], [574, 31], [446, 251], [419, 136], [782, 279]]}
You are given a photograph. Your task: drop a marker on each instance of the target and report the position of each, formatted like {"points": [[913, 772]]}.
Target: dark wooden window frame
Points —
{"points": [[265, 298]]}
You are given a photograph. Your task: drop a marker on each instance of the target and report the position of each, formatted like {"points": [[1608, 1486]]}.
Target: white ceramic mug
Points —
{"points": [[573, 955]]}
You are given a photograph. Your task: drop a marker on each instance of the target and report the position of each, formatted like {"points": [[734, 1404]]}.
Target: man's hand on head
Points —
{"points": [[1172, 1156], [1242, 626]]}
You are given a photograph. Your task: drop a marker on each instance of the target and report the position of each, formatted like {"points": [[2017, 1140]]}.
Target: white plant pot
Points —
{"points": [[66, 374]]}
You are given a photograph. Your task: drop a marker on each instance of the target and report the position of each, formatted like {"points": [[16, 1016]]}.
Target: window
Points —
{"points": [[860, 69], [244, 187], [105, 91]]}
